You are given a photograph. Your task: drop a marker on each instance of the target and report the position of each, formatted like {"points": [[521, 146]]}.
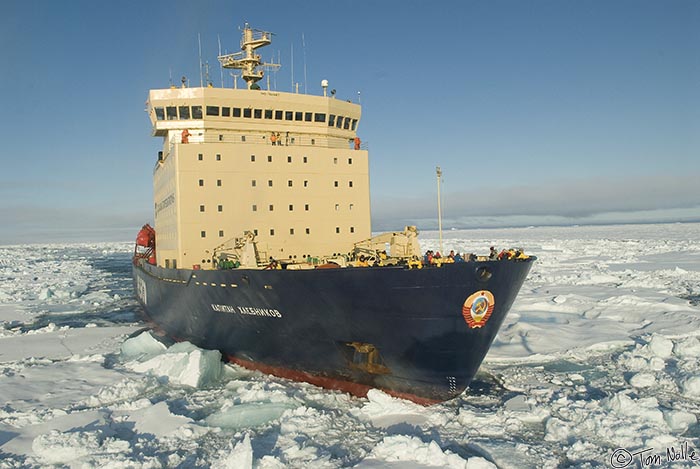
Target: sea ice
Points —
{"points": [[247, 415], [157, 420], [240, 457], [661, 346], [142, 346], [691, 386], [642, 380], [409, 451], [600, 350], [679, 421], [383, 410], [182, 364]]}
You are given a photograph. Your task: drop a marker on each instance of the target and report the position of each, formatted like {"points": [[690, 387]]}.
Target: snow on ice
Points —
{"points": [[600, 355]]}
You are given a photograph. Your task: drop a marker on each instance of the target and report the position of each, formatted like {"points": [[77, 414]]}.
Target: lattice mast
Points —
{"points": [[247, 60]]}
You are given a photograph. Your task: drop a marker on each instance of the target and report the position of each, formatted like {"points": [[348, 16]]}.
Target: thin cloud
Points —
{"points": [[604, 199]]}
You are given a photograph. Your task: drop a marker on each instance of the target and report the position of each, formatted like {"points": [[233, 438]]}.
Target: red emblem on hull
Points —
{"points": [[478, 308]]}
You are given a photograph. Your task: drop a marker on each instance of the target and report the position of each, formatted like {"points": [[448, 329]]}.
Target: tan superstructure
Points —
{"points": [[220, 173]]}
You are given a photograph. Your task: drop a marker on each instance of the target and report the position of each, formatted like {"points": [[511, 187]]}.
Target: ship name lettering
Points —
{"points": [[249, 310], [168, 201]]}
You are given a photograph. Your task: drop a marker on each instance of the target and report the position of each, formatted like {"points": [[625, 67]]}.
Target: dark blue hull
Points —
{"points": [[406, 331]]}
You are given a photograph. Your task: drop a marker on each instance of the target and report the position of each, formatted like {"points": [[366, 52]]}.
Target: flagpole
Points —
{"points": [[439, 177]]}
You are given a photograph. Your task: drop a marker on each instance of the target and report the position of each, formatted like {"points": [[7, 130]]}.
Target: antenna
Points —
{"points": [[439, 177], [303, 45], [201, 79], [247, 60], [221, 68], [292, 45]]}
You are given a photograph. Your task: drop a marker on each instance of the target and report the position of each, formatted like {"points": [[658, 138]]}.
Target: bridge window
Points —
{"points": [[288, 115], [339, 122], [160, 113], [212, 110], [307, 117], [331, 120], [225, 111], [196, 112], [346, 125], [171, 113], [257, 113], [247, 112], [320, 117], [298, 116], [268, 113], [184, 112], [354, 124], [278, 115], [236, 112]]}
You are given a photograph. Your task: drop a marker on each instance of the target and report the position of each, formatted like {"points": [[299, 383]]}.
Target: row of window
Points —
{"points": [[200, 157], [271, 207], [195, 112], [292, 231], [290, 183]]}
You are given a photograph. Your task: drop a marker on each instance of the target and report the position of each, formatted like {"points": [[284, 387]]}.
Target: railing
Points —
{"points": [[297, 141], [284, 140]]}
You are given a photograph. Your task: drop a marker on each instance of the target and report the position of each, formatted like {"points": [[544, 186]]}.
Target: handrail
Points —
{"points": [[337, 143], [295, 140]]}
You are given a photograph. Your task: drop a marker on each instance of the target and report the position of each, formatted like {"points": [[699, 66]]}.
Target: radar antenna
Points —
{"points": [[247, 60]]}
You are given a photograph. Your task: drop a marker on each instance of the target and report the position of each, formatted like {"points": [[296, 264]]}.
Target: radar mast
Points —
{"points": [[247, 60]]}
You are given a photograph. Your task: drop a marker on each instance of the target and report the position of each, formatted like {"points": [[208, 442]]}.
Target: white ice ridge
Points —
{"points": [[182, 363]]}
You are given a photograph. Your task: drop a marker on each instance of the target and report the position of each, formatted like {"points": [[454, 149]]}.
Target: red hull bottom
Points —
{"points": [[356, 389]]}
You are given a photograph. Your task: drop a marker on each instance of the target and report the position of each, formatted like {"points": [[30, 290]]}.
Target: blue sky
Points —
{"points": [[538, 112]]}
